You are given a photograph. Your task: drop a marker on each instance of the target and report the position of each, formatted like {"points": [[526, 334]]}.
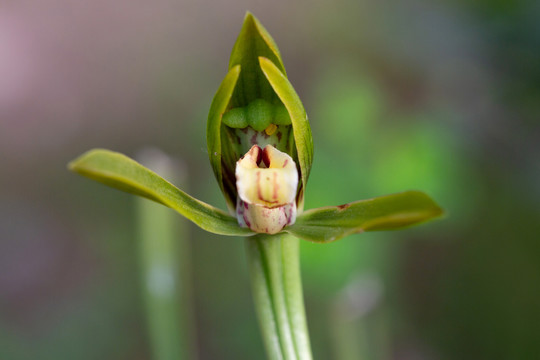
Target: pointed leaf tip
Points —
{"points": [[118, 171], [382, 213], [249, 17]]}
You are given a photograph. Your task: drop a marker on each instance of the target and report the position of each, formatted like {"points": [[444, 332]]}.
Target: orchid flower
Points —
{"points": [[261, 151]]}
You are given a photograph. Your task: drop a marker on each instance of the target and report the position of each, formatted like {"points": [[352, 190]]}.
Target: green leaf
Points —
{"points": [[252, 42], [388, 212], [300, 123], [120, 172], [213, 132]]}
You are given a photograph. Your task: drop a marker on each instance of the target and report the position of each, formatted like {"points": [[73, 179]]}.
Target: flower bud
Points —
{"points": [[256, 105]]}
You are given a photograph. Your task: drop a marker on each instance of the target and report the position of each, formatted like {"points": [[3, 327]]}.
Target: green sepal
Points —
{"points": [[213, 134], [300, 123], [120, 172], [388, 212], [252, 42]]}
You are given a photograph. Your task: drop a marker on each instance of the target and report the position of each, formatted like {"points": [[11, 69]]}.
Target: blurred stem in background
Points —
{"points": [[357, 320], [165, 268]]}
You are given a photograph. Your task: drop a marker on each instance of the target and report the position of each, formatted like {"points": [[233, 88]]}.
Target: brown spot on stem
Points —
{"points": [[343, 207]]}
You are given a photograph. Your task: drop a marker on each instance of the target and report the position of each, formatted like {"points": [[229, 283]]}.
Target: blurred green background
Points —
{"points": [[438, 96]]}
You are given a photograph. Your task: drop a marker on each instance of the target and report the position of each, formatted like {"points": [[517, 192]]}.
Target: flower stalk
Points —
{"points": [[277, 292]]}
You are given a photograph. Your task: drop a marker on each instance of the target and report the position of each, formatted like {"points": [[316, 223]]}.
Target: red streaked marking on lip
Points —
{"points": [[266, 157], [286, 162], [248, 223], [259, 155], [259, 190], [259, 193]]}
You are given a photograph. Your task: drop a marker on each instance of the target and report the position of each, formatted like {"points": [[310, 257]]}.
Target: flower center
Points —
{"points": [[267, 182]]}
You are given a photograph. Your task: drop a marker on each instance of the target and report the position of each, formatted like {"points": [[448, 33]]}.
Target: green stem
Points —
{"points": [[274, 263]]}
